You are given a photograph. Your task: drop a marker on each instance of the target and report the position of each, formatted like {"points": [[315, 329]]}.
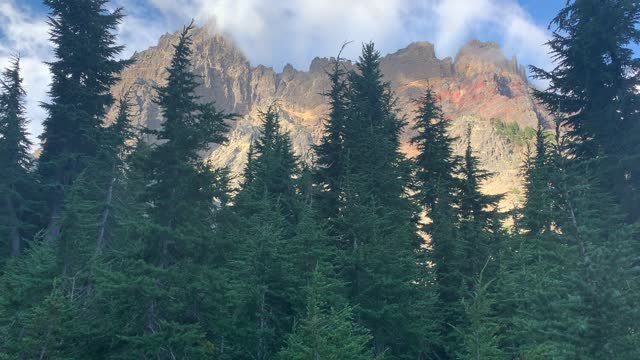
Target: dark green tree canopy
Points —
{"points": [[593, 88], [83, 70], [18, 186]]}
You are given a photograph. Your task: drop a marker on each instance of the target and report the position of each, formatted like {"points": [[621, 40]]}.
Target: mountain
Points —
{"points": [[480, 88]]}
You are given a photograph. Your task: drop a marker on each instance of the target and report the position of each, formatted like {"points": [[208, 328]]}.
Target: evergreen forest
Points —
{"points": [[116, 247]]}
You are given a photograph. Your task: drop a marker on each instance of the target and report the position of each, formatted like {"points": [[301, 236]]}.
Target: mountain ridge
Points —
{"points": [[476, 87]]}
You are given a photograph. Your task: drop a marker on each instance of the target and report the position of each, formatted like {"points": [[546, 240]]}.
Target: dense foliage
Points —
{"points": [[118, 248]]}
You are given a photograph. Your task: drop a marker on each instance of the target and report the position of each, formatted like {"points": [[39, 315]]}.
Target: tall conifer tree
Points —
{"points": [[84, 69], [593, 89], [272, 165], [158, 269], [532, 259], [330, 153], [597, 269], [17, 183], [480, 221], [572, 267], [436, 189], [277, 241], [595, 84], [381, 257]]}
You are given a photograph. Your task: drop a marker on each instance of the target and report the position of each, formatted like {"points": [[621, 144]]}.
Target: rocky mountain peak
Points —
{"points": [[416, 61], [420, 49], [319, 64], [485, 58]]}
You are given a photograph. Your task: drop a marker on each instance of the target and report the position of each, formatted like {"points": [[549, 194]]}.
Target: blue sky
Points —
{"points": [[274, 32]]}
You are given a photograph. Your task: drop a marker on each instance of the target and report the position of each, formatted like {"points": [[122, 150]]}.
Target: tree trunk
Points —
{"points": [[105, 217], [261, 353], [14, 233], [53, 228]]}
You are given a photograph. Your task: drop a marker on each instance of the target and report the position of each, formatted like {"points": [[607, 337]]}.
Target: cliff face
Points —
{"points": [[480, 85]]}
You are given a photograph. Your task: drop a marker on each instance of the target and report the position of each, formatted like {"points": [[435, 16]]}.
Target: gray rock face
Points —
{"points": [[480, 85]]}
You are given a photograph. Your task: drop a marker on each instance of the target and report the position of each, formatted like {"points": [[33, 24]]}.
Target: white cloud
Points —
{"points": [[26, 34], [279, 31], [273, 32]]}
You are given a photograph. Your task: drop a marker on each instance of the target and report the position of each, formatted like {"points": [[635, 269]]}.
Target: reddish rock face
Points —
{"points": [[480, 85]]}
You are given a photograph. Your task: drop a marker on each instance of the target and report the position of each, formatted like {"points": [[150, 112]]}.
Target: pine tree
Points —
{"points": [[532, 261], [381, 258], [275, 236], [330, 153], [259, 286], [567, 278], [598, 272], [272, 166], [158, 269], [595, 84], [84, 69], [95, 195], [435, 190], [327, 330], [481, 340], [479, 219], [538, 209], [17, 183]]}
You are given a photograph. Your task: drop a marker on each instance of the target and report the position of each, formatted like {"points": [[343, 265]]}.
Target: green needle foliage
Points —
{"points": [[594, 86], [112, 247], [327, 330], [18, 185], [381, 258], [83, 71]]}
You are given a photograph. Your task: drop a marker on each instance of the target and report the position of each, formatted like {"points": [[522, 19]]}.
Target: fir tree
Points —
{"points": [[481, 340], [595, 84], [381, 257], [435, 190], [327, 330], [259, 283], [477, 246], [54, 306], [115, 148], [84, 69], [37, 308], [538, 209], [593, 90], [17, 183], [274, 236], [436, 165], [598, 272], [181, 188], [567, 278], [371, 138], [479, 220], [272, 166], [158, 268], [532, 265], [330, 154], [309, 247]]}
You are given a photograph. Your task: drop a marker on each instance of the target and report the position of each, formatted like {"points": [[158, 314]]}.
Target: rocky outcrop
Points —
{"points": [[476, 87]]}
